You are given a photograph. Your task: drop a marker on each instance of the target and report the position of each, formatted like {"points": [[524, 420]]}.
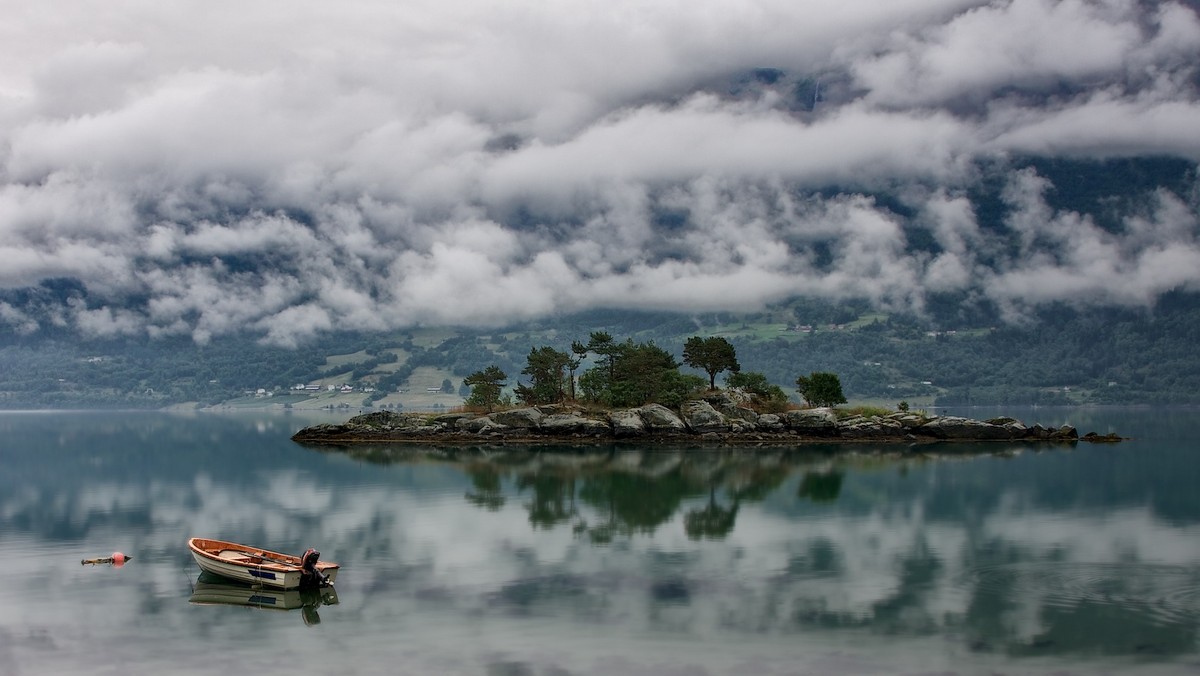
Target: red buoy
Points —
{"points": [[117, 559]]}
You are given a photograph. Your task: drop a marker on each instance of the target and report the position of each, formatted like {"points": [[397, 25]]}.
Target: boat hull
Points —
{"points": [[253, 565]]}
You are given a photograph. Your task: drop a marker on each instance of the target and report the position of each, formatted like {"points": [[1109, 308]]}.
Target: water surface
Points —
{"points": [[1007, 558]]}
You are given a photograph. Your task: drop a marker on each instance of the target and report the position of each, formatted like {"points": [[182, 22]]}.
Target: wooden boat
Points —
{"points": [[253, 565]]}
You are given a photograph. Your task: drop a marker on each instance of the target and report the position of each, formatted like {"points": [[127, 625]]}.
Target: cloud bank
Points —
{"points": [[293, 168]]}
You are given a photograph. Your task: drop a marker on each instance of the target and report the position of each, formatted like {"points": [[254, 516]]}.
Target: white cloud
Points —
{"points": [[1106, 125], [293, 168], [1026, 43], [1067, 256]]}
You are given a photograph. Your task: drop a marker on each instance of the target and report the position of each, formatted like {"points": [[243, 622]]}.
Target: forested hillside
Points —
{"points": [[1062, 355]]}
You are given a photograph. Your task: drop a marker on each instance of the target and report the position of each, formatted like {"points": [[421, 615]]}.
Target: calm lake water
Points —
{"points": [[1008, 559]]}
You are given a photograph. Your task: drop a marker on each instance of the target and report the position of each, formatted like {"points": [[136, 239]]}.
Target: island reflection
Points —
{"points": [[633, 491], [944, 563]]}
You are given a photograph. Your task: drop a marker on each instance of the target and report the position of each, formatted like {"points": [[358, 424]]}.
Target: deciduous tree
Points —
{"points": [[821, 388], [756, 383], [711, 355]]}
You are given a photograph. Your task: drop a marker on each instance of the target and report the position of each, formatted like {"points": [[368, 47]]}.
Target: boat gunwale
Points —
{"points": [[198, 546]]}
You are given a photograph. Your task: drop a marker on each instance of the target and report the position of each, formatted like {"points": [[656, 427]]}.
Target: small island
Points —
{"points": [[718, 419], [635, 393]]}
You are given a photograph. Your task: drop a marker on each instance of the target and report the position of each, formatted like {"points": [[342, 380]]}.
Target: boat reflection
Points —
{"points": [[215, 590]]}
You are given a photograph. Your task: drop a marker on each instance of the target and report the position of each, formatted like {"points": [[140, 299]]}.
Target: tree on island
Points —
{"points": [[756, 384], [486, 386], [821, 388], [632, 374], [711, 355], [608, 350], [579, 353], [547, 370]]}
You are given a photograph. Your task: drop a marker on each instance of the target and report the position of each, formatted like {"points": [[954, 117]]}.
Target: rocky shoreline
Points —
{"points": [[717, 420]]}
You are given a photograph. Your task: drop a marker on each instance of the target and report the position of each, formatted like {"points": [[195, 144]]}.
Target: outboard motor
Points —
{"points": [[309, 575]]}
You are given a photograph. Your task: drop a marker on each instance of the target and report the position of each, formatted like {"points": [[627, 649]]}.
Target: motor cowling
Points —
{"points": [[309, 575]]}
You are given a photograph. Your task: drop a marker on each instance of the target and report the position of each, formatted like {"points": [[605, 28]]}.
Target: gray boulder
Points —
{"points": [[702, 418], [660, 419], [733, 404], [954, 427], [1016, 427], [1065, 433], [1036, 431], [729, 398], [860, 427], [742, 426], [385, 420], [908, 420], [474, 425], [626, 423], [494, 429], [451, 421], [527, 418], [572, 423], [769, 422], [813, 421]]}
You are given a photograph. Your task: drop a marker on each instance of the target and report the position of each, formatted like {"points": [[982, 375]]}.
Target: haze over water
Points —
{"points": [[987, 559]]}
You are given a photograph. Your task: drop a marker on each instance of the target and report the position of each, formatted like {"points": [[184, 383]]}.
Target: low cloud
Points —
{"points": [[206, 173]]}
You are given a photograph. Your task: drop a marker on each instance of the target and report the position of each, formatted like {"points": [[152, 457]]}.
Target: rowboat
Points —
{"points": [[253, 565]]}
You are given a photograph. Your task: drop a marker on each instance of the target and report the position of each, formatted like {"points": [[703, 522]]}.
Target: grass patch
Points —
{"points": [[867, 319], [335, 379], [751, 331], [340, 360], [432, 337], [392, 367], [865, 411]]}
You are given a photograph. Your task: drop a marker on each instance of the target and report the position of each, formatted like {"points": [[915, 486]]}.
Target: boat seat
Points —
{"points": [[234, 555]]}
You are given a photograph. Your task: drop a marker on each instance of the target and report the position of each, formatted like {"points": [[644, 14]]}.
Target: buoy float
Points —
{"points": [[117, 560]]}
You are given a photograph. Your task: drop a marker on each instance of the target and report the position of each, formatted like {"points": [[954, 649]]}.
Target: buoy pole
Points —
{"points": [[117, 559]]}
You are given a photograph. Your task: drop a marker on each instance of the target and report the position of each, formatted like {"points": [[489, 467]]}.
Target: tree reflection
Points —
{"points": [[632, 503], [821, 486], [713, 521], [488, 493], [611, 494], [553, 498], [754, 482]]}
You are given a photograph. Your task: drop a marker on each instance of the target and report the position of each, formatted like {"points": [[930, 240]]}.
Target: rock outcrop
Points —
{"points": [[821, 422], [707, 420], [660, 419], [626, 423], [701, 418]]}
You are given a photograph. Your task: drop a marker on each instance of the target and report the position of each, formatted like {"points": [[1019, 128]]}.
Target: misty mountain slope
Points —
{"points": [[1063, 356]]}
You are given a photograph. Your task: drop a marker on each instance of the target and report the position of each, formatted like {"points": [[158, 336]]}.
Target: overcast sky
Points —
{"points": [[290, 167]]}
